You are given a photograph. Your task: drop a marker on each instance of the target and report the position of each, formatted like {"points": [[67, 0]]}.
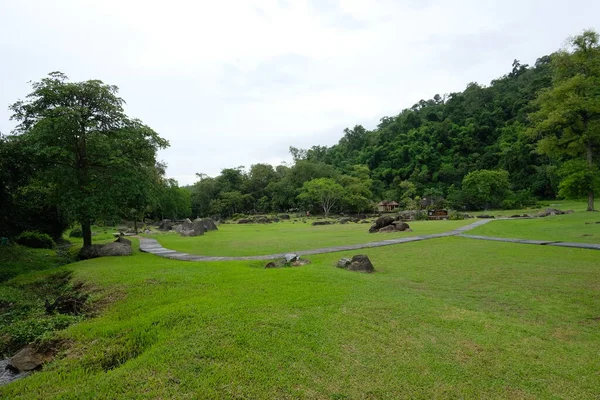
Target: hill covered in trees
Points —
{"points": [[523, 137]]}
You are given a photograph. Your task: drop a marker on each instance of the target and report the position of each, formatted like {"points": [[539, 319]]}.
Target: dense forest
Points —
{"points": [[532, 134]]}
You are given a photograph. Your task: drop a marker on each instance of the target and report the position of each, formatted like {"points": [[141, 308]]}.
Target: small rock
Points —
{"points": [[291, 257], [27, 359], [343, 263], [271, 264]]}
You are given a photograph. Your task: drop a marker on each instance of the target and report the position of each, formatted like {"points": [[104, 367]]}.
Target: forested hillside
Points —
{"points": [[436, 142], [533, 133]]}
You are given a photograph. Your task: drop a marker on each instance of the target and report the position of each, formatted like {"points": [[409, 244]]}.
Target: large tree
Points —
{"points": [[93, 157], [324, 192], [568, 119]]}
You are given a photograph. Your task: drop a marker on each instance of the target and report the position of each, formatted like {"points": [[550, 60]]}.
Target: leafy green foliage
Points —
{"points": [[568, 119], [578, 178], [486, 189], [31, 311], [321, 192], [76, 232], [35, 240]]}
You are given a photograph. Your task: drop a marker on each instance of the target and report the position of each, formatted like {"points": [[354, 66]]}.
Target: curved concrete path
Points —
{"points": [[152, 246]]}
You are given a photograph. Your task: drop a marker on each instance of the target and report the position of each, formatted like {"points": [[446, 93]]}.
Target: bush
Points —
{"points": [[421, 215], [520, 199], [76, 232], [454, 215], [35, 240]]}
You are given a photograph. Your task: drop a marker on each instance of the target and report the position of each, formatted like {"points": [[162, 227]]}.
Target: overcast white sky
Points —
{"points": [[232, 83]]}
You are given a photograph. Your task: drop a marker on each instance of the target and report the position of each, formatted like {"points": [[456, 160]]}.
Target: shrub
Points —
{"points": [[76, 232], [520, 199], [454, 215], [421, 215], [35, 240]]}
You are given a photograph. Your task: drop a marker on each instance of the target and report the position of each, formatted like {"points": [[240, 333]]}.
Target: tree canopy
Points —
{"points": [[94, 159], [568, 119]]}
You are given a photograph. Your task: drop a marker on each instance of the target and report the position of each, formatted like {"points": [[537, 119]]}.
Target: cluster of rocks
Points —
{"points": [[388, 224], [120, 247], [552, 211], [187, 227], [260, 219], [289, 260], [358, 263], [343, 220]]}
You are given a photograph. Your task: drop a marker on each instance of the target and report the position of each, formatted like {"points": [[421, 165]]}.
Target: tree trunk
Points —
{"points": [[86, 229], [590, 206]]}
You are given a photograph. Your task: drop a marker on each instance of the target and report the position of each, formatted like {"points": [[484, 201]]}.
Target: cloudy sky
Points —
{"points": [[236, 82]]}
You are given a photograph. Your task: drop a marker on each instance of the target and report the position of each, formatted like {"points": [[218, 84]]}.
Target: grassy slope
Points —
{"points": [[566, 228], [15, 260], [449, 318], [257, 239]]}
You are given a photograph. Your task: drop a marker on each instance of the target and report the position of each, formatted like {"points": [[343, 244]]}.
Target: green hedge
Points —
{"points": [[35, 240]]}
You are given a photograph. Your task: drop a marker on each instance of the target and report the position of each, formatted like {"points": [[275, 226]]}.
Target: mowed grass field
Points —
{"points": [[261, 239], [577, 227], [444, 318]]}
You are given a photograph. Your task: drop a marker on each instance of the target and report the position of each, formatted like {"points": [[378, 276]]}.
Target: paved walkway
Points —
{"points": [[152, 246]]}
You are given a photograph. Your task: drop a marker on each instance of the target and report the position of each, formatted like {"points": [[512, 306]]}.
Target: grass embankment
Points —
{"points": [[15, 260], [260, 239], [447, 318], [577, 227]]}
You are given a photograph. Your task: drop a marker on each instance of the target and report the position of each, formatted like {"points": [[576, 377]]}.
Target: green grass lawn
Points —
{"points": [[446, 318], [575, 205], [566, 228], [260, 239]]}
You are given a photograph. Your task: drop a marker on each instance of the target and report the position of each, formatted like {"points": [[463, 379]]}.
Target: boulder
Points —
{"points": [[271, 264], [344, 220], [27, 359], [485, 216], [322, 223], [401, 226], [89, 252], [122, 239], [284, 216], [384, 221], [361, 263], [244, 221], [387, 229], [166, 225], [381, 222], [115, 249], [208, 223], [343, 263]]}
